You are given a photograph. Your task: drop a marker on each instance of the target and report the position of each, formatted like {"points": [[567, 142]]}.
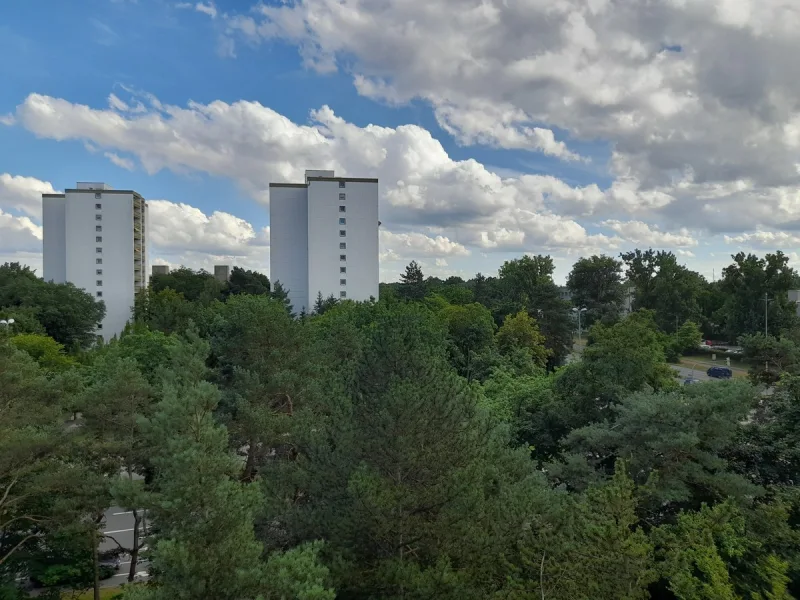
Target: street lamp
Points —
{"points": [[6, 323], [578, 312]]}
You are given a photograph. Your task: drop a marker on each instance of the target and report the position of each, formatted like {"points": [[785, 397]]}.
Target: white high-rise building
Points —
{"points": [[95, 237], [324, 238]]}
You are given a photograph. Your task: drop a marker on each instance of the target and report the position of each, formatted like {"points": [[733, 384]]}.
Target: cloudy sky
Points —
{"points": [[496, 127]]}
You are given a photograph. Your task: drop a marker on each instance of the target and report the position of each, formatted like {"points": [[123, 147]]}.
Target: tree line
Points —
{"points": [[443, 442]]}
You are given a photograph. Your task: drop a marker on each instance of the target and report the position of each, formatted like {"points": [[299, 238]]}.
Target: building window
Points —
{"points": [[99, 325], [99, 283], [342, 269], [98, 206], [342, 209], [342, 197], [342, 233], [98, 272], [342, 294], [98, 217], [98, 250], [98, 261], [343, 282], [342, 221], [99, 294], [98, 238], [343, 257], [98, 228], [97, 196], [343, 246], [341, 184]]}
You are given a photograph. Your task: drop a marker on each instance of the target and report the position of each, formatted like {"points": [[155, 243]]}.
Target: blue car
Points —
{"points": [[719, 373]]}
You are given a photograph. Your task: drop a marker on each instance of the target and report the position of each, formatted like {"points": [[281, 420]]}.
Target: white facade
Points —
{"points": [[324, 238], [95, 237]]}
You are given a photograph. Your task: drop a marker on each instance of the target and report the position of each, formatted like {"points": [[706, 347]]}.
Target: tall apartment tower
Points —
{"points": [[95, 237], [324, 238]]}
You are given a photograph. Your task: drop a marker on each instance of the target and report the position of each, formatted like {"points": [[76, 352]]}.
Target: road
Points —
{"points": [[119, 525], [685, 372]]}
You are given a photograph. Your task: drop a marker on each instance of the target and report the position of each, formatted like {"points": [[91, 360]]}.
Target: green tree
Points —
{"points": [[205, 546], [195, 286], [590, 548], [67, 314], [402, 474], [756, 290], [521, 332], [596, 284], [164, 310], [770, 357], [675, 444], [261, 354], [470, 331], [45, 351], [247, 282], [662, 285], [412, 282], [527, 284], [685, 339], [298, 574]]}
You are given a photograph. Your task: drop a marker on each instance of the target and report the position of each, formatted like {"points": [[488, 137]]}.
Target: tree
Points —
{"points": [[164, 310], [521, 332], [685, 339], [247, 282], [470, 331], [67, 314], [215, 556], [321, 305], [260, 353], [281, 294], [596, 284], [112, 409], [675, 444], [662, 285], [412, 282], [770, 357], [45, 351], [527, 283], [298, 573], [195, 286], [400, 472], [589, 548], [756, 290]]}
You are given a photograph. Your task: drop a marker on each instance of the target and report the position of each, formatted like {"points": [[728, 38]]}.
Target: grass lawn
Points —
{"points": [[105, 594]]}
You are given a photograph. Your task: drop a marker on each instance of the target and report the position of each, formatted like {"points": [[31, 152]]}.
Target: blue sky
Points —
{"points": [[634, 183]]}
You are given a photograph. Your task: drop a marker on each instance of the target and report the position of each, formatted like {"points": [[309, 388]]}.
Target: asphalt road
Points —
{"points": [[685, 372], [119, 525]]}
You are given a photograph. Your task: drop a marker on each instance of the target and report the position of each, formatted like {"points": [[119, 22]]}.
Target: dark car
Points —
{"points": [[719, 373]]}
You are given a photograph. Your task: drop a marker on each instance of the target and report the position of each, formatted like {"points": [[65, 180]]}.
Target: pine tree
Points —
{"points": [[412, 282]]}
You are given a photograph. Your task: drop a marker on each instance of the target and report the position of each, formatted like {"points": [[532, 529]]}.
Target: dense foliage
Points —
{"points": [[448, 441]]}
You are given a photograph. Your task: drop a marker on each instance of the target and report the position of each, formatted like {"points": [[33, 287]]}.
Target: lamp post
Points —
{"points": [[578, 312]]}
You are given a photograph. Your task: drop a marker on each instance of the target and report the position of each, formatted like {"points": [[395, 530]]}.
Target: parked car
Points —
{"points": [[690, 381], [719, 373]]}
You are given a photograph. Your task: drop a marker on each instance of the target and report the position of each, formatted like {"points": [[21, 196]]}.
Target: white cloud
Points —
{"points": [[23, 194], [120, 161], [208, 9], [769, 240], [19, 234], [7, 120], [402, 246], [421, 185], [641, 234], [690, 96]]}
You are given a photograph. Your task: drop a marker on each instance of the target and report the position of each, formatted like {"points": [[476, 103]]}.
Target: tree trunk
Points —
{"points": [[96, 565], [135, 549], [250, 464]]}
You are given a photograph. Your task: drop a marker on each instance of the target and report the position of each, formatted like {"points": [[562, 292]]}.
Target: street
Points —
{"points": [[685, 372], [119, 525]]}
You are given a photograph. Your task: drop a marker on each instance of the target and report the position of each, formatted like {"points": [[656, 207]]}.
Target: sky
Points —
{"points": [[496, 127]]}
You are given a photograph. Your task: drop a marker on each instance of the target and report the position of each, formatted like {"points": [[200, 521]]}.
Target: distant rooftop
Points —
{"points": [[93, 185]]}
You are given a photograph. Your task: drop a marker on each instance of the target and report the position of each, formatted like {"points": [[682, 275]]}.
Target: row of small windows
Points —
{"points": [[98, 239]]}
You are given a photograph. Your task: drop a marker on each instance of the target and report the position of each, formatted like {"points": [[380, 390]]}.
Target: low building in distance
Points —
{"points": [[222, 273], [324, 238], [95, 237], [160, 270]]}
